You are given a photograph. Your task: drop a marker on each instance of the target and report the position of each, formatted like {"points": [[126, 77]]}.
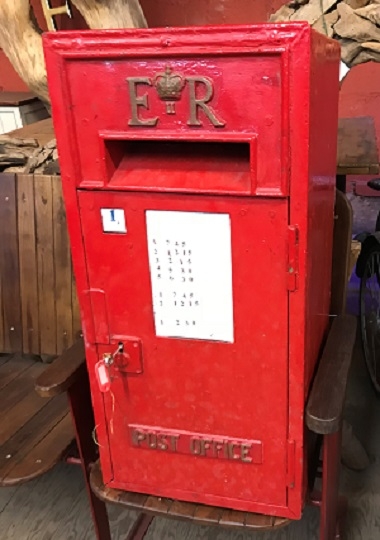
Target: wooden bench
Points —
{"points": [[39, 316], [39, 430], [35, 433], [324, 414]]}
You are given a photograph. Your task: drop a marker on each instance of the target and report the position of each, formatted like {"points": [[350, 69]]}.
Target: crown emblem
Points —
{"points": [[169, 87]]}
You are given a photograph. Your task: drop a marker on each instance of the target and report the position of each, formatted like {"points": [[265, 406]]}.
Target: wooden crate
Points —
{"points": [[39, 310]]}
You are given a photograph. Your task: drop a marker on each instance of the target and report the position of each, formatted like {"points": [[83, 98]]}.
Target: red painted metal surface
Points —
{"points": [[235, 122]]}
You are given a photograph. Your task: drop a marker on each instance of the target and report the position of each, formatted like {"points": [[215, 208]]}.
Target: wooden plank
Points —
{"points": [[20, 387], [325, 405], [42, 456], [341, 253], [45, 264], [130, 499], [21, 413], [42, 130], [197, 513], [64, 372], [6, 496], [63, 270], [183, 510], [19, 448], [50, 507], [28, 264], [12, 369], [259, 521], [157, 505], [232, 518], [358, 171], [9, 265], [207, 515], [4, 358], [15, 99]]}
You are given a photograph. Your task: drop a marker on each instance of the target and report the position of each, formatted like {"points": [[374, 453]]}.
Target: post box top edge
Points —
{"points": [[237, 35]]}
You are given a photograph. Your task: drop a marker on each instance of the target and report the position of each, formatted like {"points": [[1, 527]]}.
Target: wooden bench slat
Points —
{"points": [[12, 369], [63, 270], [20, 387], [232, 518], [4, 358], [20, 414], [183, 510], [134, 500], [341, 253], [9, 266], [16, 449], [263, 522], [324, 409], [127, 498], [45, 262], [157, 505], [28, 264], [63, 372], [19, 399], [45, 454], [35, 260], [207, 514]]}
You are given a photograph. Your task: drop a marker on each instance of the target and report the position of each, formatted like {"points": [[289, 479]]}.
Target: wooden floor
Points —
{"points": [[55, 506]]}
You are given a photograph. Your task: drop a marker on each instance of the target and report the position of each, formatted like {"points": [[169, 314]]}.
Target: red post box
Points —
{"points": [[198, 168]]}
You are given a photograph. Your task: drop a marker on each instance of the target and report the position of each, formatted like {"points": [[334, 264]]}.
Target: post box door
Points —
{"points": [[198, 403]]}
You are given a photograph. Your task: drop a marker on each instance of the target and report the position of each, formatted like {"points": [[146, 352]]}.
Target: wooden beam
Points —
{"points": [[102, 14], [50, 13]]}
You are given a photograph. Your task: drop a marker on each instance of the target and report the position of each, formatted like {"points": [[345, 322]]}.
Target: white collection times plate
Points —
{"points": [[191, 274]]}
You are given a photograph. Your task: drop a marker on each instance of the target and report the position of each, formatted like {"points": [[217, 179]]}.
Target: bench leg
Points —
{"points": [[83, 420], [331, 518], [140, 527]]}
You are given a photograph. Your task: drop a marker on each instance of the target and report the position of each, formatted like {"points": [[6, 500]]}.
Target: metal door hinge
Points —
{"points": [[293, 255], [291, 472]]}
